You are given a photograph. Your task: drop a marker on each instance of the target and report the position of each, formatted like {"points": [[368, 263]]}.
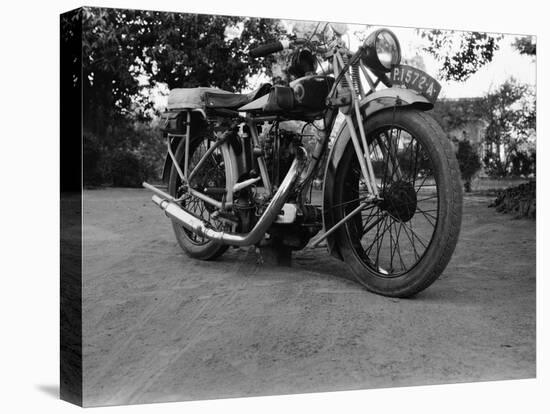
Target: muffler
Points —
{"points": [[198, 226]]}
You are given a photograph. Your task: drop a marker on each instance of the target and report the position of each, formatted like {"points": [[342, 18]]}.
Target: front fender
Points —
{"points": [[390, 97], [375, 102]]}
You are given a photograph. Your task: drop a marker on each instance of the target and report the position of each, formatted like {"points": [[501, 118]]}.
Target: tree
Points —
{"points": [[453, 114], [468, 162], [525, 45], [126, 53], [511, 115], [127, 50], [461, 54]]}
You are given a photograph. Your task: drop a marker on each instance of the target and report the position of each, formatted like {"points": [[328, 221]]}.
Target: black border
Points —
{"points": [[71, 207]]}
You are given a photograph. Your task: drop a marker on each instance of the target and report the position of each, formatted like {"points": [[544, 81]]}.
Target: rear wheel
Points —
{"points": [[400, 244], [213, 177]]}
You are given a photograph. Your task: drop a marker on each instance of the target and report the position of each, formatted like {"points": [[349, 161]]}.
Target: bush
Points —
{"points": [[125, 156], [91, 161], [521, 201], [523, 163], [127, 170], [468, 162]]}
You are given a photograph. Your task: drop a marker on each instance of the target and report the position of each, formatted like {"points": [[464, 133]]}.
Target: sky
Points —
{"points": [[506, 63]]}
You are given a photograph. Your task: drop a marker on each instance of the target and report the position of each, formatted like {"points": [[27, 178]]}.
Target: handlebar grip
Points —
{"points": [[267, 49]]}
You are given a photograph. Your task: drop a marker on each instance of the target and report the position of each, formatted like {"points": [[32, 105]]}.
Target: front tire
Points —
{"points": [[398, 246]]}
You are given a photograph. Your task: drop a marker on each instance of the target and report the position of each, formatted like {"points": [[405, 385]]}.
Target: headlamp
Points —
{"points": [[381, 51]]}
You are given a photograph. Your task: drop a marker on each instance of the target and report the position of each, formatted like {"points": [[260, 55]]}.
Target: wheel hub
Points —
{"points": [[399, 200]]}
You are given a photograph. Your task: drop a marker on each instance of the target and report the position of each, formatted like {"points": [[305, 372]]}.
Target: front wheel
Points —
{"points": [[400, 244]]}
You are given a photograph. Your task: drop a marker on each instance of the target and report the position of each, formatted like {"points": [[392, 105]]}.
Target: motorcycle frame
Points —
{"points": [[354, 108], [360, 143]]}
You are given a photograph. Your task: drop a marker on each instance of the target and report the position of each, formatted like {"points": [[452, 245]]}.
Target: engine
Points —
{"points": [[278, 146]]}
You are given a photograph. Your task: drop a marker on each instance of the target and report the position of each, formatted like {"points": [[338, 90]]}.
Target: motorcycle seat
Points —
{"points": [[202, 97]]}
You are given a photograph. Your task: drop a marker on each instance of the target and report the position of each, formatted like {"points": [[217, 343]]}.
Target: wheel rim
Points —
{"points": [[211, 179], [392, 235]]}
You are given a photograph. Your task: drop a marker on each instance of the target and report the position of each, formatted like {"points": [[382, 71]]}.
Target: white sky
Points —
{"points": [[506, 62]]}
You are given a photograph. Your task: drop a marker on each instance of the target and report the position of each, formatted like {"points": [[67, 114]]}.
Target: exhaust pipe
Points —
{"points": [[196, 225]]}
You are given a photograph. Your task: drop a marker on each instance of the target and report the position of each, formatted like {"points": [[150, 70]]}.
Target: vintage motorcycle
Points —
{"points": [[391, 199]]}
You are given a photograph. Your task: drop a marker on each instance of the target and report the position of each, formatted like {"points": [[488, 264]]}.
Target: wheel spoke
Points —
{"points": [[427, 215], [391, 247], [367, 251], [393, 237], [355, 200], [209, 175], [421, 184], [386, 164], [427, 198], [368, 227], [403, 267], [411, 240], [422, 241], [381, 241]]}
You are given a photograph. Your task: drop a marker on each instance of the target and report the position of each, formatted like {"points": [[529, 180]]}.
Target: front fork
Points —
{"points": [[363, 155], [359, 143]]}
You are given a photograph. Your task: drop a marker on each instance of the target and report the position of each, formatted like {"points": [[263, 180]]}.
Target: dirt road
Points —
{"points": [[158, 326]]}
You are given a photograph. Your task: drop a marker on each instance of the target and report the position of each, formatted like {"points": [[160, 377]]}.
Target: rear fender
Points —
{"points": [[385, 99]]}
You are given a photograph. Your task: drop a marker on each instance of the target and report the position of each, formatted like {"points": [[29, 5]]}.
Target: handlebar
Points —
{"points": [[269, 48]]}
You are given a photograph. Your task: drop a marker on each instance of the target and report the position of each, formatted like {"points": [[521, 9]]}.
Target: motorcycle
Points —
{"points": [[391, 200]]}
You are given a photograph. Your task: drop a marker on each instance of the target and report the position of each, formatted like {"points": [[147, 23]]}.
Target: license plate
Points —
{"points": [[404, 76]]}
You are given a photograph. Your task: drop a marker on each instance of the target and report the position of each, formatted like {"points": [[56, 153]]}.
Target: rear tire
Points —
{"points": [[222, 176], [438, 159]]}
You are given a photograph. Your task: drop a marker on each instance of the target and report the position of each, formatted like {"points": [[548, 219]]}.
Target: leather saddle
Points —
{"points": [[186, 98]]}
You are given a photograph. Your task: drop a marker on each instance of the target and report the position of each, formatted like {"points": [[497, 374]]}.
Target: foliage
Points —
{"points": [[523, 163], [460, 53], [468, 162], [91, 159], [525, 45], [453, 114], [126, 50], [126, 169], [521, 201], [135, 156], [128, 53], [511, 115], [510, 118]]}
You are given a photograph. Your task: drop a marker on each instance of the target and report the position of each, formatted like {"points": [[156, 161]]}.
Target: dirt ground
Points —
{"points": [[158, 326]]}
